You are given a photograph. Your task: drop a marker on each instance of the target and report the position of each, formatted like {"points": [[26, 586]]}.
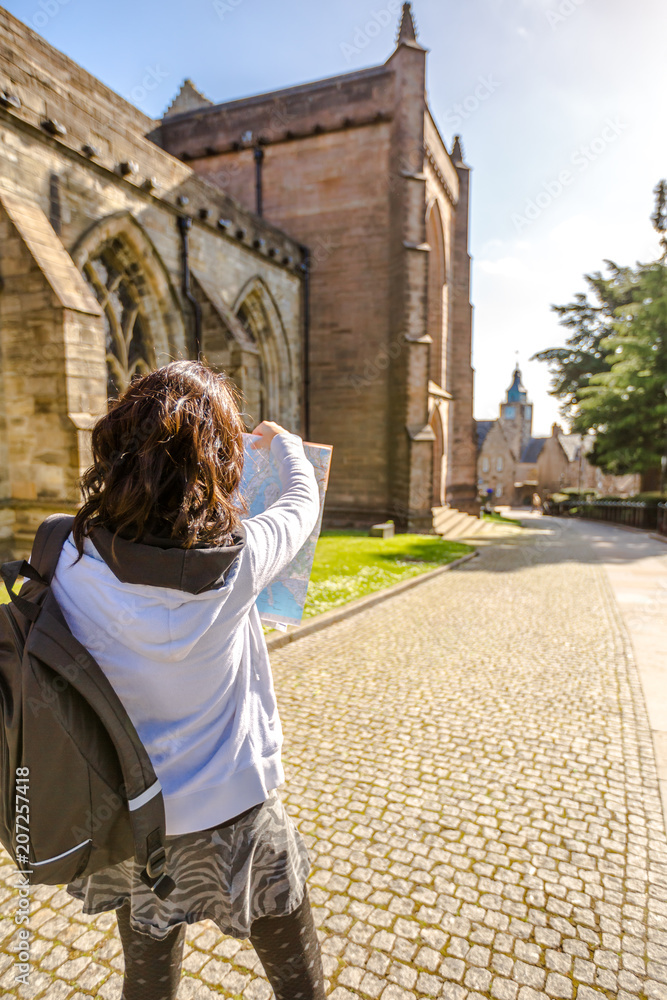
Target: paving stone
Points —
{"points": [[390, 992], [478, 956], [372, 985], [504, 989], [477, 979], [452, 968], [558, 986], [92, 976], [558, 961], [351, 976], [530, 975], [258, 989], [450, 991], [329, 965], [215, 972], [429, 985], [502, 964], [72, 969], [583, 972], [427, 958], [402, 975]]}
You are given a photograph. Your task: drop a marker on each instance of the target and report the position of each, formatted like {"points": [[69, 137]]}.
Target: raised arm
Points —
{"points": [[275, 536]]}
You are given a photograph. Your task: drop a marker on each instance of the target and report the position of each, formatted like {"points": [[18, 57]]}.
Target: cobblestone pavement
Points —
{"points": [[471, 766]]}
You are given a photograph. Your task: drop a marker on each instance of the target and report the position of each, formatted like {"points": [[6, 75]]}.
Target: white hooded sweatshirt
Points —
{"points": [[178, 635]]}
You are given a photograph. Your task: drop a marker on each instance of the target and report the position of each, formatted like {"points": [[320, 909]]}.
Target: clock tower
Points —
{"points": [[516, 415]]}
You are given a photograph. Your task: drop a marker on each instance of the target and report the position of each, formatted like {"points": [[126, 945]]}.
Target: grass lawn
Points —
{"points": [[500, 519], [350, 564]]}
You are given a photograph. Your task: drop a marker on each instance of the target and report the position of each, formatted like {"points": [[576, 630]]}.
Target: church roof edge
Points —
{"points": [[327, 81], [188, 98]]}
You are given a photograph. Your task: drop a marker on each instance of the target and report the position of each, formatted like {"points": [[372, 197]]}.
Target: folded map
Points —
{"points": [[282, 602]]}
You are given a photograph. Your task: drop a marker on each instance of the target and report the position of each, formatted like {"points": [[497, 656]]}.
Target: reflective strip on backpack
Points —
{"points": [[145, 797], [57, 857]]}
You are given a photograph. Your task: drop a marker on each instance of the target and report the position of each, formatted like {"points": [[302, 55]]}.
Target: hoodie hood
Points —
{"points": [[162, 562]]}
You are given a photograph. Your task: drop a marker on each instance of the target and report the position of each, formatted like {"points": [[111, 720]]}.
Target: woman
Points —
{"points": [[159, 580]]}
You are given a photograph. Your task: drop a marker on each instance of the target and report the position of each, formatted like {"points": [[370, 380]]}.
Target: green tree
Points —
{"points": [[611, 376], [626, 406], [659, 217], [583, 356]]}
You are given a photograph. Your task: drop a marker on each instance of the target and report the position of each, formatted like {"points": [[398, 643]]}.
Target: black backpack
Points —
{"points": [[78, 791]]}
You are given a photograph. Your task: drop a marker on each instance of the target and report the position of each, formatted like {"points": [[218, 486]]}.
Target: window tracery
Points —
{"points": [[117, 283]]}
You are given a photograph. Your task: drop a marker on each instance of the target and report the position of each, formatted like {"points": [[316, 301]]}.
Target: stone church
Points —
{"points": [[311, 242]]}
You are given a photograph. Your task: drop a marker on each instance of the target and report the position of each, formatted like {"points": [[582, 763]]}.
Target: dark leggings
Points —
{"points": [[287, 947]]}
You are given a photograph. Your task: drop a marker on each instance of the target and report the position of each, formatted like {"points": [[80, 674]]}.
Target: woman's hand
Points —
{"points": [[268, 430]]}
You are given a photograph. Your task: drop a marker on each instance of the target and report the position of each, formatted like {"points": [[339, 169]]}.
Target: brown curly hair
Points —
{"points": [[167, 459]]}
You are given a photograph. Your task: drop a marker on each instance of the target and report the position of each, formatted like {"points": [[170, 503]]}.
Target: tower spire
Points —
{"points": [[407, 32], [457, 151]]}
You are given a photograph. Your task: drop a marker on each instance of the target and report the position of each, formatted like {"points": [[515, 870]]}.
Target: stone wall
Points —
{"points": [[496, 447], [351, 166], [318, 189], [460, 380], [61, 203]]}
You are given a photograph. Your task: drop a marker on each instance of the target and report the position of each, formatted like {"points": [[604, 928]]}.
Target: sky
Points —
{"points": [[560, 105]]}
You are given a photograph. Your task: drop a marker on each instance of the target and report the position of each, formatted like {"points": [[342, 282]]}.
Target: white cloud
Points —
{"points": [[508, 267]]}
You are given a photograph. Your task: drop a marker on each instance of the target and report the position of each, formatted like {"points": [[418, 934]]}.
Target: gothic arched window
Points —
{"points": [[261, 387], [118, 284]]}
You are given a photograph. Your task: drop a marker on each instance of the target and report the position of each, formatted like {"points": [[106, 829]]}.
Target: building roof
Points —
{"points": [[533, 449], [483, 428], [187, 99], [575, 445]]}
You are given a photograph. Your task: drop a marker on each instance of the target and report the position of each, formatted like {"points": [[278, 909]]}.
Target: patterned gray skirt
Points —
{"points": [[232, 875]]}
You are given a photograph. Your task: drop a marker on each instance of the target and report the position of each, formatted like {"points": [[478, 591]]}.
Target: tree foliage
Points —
{"points": [[611, 376], [583, 356], [626, 406]]}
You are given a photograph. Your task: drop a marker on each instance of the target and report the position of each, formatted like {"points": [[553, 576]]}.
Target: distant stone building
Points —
{"points": [[562, 464], [312, 242], [507, 452], [355, 168], [515, 465], [497, 464]]}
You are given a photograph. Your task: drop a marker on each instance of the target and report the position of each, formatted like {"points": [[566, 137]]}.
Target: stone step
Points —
{"points": [[448, 522], [442, 516], [463, 528]]}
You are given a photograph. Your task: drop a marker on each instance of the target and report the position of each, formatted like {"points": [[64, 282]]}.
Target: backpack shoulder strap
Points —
{"points": [[49, 540]]}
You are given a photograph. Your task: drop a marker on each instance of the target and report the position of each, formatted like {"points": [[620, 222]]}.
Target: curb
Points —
{"points": [[339, 614], [660, 538]]}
